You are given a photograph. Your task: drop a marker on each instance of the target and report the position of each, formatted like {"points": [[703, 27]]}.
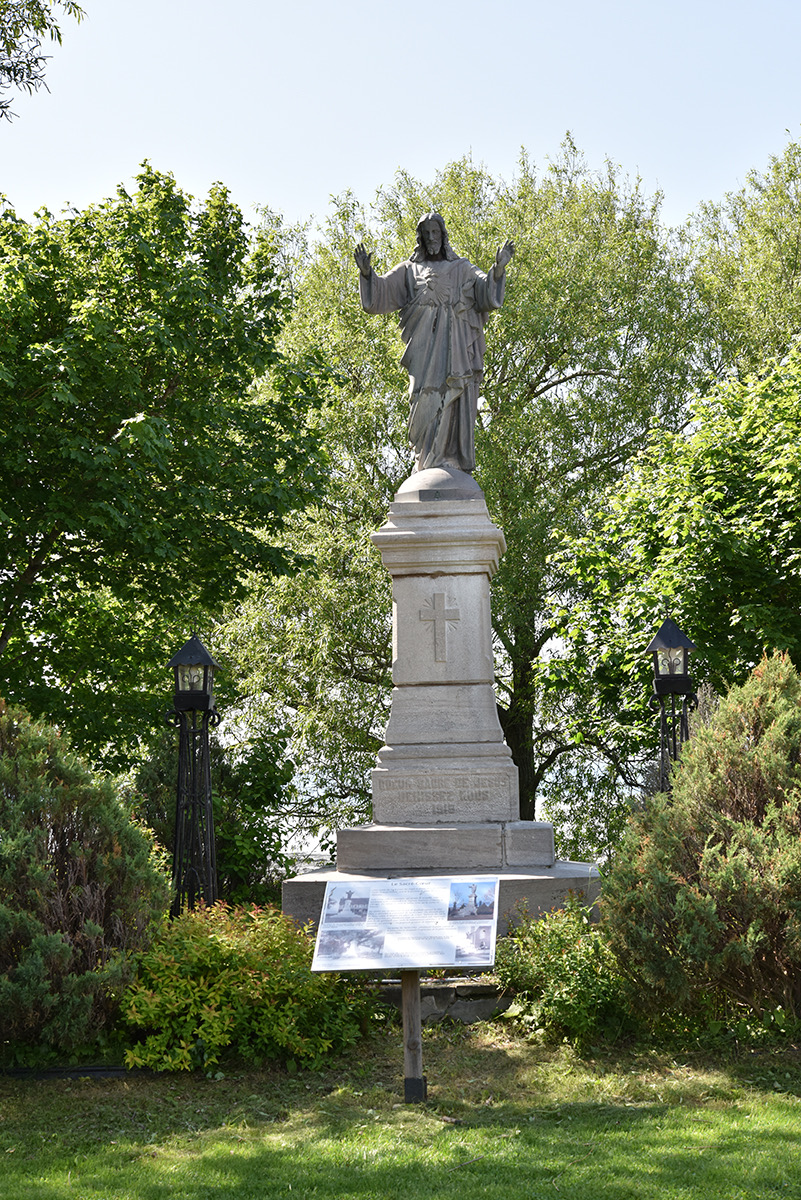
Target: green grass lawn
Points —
{"points": [[506, 1120]]}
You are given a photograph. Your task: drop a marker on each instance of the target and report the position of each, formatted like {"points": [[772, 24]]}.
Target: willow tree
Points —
{"points": [[747, 263], [592, 351], [24, 24]]}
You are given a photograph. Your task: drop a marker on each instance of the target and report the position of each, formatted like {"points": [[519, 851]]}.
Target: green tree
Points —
{"points": [[23, 25], [710, 520], [593, 349], [747, 251], [706, 520], [254, 805], [144, 475]]}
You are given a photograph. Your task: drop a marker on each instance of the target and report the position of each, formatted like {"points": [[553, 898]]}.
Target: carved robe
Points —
{"points": [[443, 307]]}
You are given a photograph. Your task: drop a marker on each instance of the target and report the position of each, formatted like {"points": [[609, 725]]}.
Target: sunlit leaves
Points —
{"points": [[23, 26], [712, 522], [144, 473]]}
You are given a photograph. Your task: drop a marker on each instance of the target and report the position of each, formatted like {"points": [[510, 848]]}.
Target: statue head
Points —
{"points": [[429, 246]]}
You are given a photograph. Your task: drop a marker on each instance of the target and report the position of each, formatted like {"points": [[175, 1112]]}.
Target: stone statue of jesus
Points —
{"points": [[443, 303]]}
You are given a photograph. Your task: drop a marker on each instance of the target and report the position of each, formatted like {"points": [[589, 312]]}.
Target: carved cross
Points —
{"points": [[440, 615]]}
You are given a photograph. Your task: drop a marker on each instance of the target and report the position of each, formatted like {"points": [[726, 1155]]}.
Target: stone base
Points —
{"points": [[444, 714], [538, 888], [476, 846], [457, 999]]}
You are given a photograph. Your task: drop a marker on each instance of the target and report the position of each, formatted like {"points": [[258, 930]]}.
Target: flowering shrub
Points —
{"points": [[238, 979]]}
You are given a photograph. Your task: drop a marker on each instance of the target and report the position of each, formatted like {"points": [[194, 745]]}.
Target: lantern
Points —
{"points": [[671, 651], [194, 677]]}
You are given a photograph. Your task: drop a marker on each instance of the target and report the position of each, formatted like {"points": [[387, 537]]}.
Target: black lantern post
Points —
{"points": [[194, 868], [671, 651]]}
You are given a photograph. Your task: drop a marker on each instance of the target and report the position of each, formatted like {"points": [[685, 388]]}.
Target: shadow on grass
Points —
{"points": [[585, 1152], [505, 1120]]}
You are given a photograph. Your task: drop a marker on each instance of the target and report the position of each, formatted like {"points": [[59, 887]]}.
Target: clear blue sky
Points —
{"points": [[289, 103]]}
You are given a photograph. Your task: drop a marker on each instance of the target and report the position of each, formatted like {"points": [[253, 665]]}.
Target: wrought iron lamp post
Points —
{"points": [[671, 651], [194, 868]]}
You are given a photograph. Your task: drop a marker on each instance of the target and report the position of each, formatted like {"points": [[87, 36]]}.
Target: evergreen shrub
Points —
{"points": [[81, 887], [703, 899], [238, 979], [566, 977]]}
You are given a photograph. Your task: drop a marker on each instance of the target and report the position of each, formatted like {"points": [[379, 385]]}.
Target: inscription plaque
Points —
{"points": [[443, 792]]}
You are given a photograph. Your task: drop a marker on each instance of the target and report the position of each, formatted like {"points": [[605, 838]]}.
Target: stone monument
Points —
{"points": [[445, 789]]}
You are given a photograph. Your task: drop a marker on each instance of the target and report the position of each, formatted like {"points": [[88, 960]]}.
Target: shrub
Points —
{"points": [[566, 976], [80, 888], [220, 978], [704, 896]]}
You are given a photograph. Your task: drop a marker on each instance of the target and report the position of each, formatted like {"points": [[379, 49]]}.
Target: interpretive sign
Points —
{"points": [[375, 924]]}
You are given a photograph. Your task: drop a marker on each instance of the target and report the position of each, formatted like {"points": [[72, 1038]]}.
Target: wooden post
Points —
{"points": [[414, 1081]]}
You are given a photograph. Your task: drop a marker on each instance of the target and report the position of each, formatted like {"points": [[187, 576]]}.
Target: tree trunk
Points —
{"points": [[517, 723], [520, 740]]}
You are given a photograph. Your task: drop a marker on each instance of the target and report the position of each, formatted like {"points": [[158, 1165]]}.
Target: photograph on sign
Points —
{"points": [[471, 902], [373, 925]]}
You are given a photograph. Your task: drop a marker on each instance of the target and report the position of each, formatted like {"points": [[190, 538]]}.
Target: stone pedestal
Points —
{"points": [[445, 789], [445, 762]]}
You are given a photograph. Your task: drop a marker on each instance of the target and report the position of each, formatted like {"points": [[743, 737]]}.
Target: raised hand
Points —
{"points": [[363, 260], [503, 257]]}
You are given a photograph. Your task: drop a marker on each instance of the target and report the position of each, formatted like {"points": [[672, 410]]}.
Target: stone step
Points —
{"points": [[462, 846], [457, 999]]}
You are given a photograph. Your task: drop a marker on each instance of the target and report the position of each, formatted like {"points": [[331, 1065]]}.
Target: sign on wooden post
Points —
{"points": [[412, 924]]}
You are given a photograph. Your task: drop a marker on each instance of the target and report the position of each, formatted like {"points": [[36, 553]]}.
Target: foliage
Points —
{"points": [[254, 786], [705, 520], [144, 476], [588, 803], [80, 889], [312, 651], [593, 348], [253, 797], [566, 977], [220, 978], [23, 24], [711, 521], [704, 895], [747, 251]]}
